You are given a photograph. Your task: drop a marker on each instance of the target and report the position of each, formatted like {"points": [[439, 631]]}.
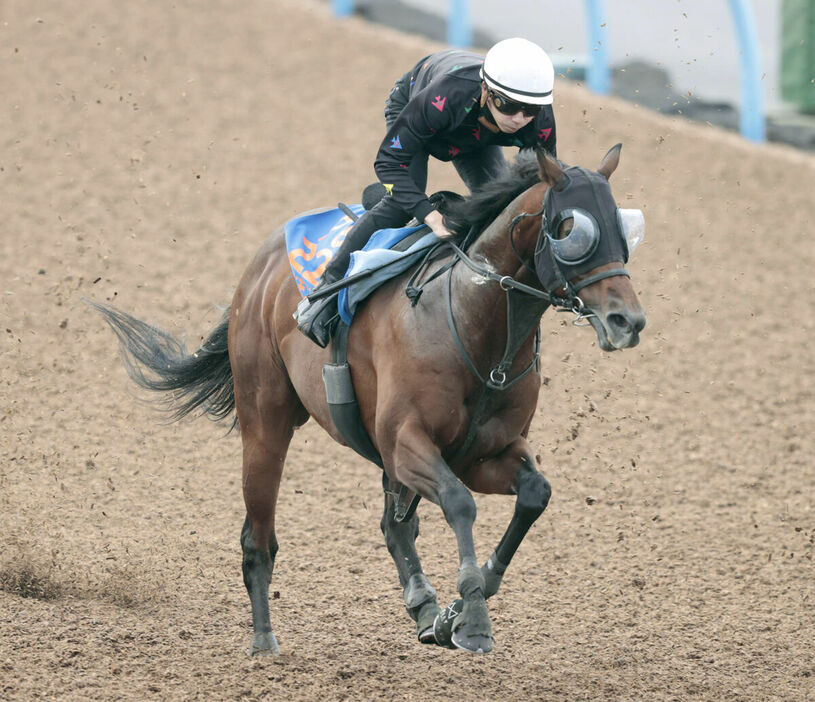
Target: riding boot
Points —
{"points": [[357, 237], [314, 316]]}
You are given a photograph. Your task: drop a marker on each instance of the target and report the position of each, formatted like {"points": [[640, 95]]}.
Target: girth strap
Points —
{"points": [[344, 411], [342, 400]]}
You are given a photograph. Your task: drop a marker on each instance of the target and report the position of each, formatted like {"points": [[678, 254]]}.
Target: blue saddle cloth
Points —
{"points": [[313, 238]]}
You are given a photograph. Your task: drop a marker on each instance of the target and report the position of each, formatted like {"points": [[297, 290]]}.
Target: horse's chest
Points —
{"points": [[501, 421]]}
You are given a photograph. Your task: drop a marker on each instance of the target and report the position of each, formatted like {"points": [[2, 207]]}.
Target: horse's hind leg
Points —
{"points": [[268, 411], [264, 451], [400, 537], [258, 564]]}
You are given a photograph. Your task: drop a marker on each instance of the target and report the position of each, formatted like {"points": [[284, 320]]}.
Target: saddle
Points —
{"points": [[313, 238]]}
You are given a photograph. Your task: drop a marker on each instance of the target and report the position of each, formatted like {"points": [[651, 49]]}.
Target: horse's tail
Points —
{"points": [[202, 379]]}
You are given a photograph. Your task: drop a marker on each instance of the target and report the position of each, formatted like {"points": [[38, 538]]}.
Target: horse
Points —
{"points": [[446, 382]]}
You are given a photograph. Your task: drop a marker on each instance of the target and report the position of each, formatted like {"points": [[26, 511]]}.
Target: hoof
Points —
{"points": [[426, 635], [465, 625], [264, 644], [477, 643], [443, 624]]}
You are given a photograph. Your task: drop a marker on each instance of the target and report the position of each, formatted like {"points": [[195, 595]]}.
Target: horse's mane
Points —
{"points": [[486, 203]]}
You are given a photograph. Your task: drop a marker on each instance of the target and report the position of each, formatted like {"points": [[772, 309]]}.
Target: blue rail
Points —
{"points": [[342, 8], [751, 115], [598, 75], [459, 27]]}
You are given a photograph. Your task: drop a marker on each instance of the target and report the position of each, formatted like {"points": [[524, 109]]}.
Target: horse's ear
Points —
{"points": [[610, 161], [550, 170]]}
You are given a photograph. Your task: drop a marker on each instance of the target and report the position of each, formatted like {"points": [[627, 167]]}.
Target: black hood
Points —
{"points": [[590, 194]]}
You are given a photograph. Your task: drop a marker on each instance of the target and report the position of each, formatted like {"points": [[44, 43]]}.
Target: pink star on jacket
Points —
{"points": [[438, 103], [544, 133], [477, 133], [453, 151]]}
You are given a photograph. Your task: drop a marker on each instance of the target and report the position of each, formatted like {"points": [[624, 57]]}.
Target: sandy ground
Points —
{"points": [[147, 149]]}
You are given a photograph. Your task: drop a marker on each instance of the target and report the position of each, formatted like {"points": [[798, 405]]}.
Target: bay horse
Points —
{"points": [[447, 383]]}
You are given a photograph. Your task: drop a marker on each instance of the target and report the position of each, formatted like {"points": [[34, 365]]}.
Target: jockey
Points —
{"points": [[455, 106]]}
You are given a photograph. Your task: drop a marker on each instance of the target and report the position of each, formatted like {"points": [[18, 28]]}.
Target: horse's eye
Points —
{"points": [[564, 228]]}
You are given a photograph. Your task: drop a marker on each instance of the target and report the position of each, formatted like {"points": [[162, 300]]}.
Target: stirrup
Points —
{"points": [[317, 320]]}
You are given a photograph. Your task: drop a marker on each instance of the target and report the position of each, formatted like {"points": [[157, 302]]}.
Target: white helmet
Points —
{"points": [[520, 70]]}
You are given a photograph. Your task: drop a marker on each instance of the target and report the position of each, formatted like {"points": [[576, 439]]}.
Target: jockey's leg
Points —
{"points": [[314, 317], [385, 214], [357, 237], [480, 167]]}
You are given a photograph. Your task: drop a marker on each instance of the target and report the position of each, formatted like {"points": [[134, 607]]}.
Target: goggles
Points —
{"points": [[509, 107]]}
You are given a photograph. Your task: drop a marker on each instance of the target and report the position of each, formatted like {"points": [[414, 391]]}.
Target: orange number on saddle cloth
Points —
{"points": [[298, 258]]}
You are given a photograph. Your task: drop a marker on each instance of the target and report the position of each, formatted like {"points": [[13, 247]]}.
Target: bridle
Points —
{"points": [[571, 301], [521, 318]]}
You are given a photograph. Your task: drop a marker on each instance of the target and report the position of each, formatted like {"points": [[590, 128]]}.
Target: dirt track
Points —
{"points": [[147, 150]]}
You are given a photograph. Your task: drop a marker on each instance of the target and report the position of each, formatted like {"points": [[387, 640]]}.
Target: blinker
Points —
{"points": [[580, 242], [632, 225], [600, 234]]}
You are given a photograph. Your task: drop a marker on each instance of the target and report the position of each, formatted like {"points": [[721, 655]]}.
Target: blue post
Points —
{"points": [[342, 8], [751, 115], [597, 72], [459, 30]]}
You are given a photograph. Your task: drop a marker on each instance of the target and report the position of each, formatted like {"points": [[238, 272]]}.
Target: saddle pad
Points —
{"points": [[313, 238]]}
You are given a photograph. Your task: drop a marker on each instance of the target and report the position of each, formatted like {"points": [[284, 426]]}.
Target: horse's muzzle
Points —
{"points": [[619, 329]]}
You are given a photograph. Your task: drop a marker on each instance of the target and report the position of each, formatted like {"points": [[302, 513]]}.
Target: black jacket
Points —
{"points": [[441, 119]]}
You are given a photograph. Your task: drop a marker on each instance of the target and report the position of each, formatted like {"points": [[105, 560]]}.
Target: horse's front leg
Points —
{"points": [[400, 537], [512, 472], [419, 465]]}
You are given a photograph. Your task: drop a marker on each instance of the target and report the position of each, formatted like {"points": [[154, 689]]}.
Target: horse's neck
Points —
{"points": [[494, 247], [483, 316]]}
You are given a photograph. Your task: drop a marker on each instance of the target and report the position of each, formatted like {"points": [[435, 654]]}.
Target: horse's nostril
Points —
{"points": [[619, 322], [631, 324]]}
